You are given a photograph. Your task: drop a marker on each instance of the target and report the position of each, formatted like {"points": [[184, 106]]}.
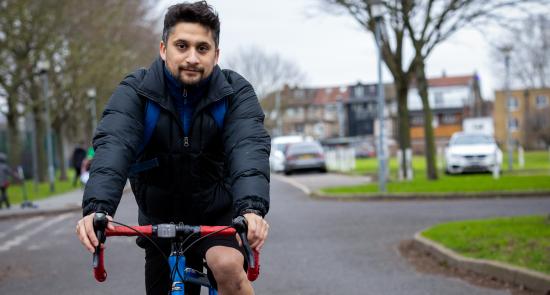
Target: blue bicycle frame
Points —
{"points": [[177, 264]]}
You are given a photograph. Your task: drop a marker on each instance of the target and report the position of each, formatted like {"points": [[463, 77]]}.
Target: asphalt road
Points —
{"points": [[315, 247]]}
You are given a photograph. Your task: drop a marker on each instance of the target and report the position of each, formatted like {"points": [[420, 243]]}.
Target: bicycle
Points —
{"points": [[179, 234]]}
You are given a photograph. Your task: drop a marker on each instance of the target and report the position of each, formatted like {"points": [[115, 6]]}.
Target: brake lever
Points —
{"points": [[100, 224], [241, 226]]}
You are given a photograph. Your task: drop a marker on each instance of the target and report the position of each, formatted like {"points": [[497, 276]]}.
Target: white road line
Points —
{"points": [[292, 182], [21, 225], [25, 236]]}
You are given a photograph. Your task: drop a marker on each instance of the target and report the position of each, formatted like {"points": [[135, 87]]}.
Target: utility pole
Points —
{"points": [[378, 15], [509, 140], [43, 67]]}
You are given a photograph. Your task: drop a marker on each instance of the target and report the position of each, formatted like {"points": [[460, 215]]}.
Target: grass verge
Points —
{"points": [[523, 241], [534, 176], [40, 191], [452, 184]]}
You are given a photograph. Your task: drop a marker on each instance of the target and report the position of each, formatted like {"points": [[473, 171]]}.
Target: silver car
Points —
{"points": [[304, 156], [472, 152]]}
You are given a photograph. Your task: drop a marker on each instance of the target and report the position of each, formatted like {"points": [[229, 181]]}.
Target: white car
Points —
{"points": [[472, 152]]}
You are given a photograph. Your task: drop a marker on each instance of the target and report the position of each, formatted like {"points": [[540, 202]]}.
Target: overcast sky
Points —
{"points": [[332, 50]]}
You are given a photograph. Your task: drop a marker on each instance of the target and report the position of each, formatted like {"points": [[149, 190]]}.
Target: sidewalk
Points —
{"points": [[65, 202]]}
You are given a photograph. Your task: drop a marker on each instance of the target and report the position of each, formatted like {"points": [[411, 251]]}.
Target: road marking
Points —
{"points": [[21, 225], [294, 183], [25, 236]]}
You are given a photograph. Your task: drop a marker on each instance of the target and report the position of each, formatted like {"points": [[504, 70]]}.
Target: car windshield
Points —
{"points": [[304, 148], [472, 139]]}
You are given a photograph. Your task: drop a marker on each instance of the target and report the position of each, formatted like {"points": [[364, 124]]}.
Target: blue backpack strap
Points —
{"points": [[152, 112], [218, 110]]}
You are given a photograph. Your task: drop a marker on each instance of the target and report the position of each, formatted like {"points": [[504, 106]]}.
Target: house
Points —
{"points": [[529, 121], [451, 100], [352, 110]]}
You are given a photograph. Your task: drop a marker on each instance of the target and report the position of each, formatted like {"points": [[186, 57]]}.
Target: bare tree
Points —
{"points": [[530, 53], [86, 45], [538, 125], [423, 24], [267, 72]]}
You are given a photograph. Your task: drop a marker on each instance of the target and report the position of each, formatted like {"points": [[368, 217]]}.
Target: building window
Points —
{"points": [[513, 124], [417, 121], [541, 101], [290, 112], [330, 108], [299, 128], [300, 112], [513, 103], [299, 93], [359, 91], [449, 119], [438, 99]]}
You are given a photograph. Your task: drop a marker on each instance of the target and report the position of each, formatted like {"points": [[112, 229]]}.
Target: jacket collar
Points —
{"points": [[154, 87]]}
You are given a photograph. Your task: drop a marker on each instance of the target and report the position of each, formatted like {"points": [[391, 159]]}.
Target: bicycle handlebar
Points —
{"points": [[239, 226]]}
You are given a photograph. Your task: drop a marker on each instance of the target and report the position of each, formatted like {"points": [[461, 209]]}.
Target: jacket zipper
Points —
{"points": [[185, 138]]}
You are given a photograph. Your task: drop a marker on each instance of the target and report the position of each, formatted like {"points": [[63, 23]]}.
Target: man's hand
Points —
{"points": [[85, 231], [258, 229]]}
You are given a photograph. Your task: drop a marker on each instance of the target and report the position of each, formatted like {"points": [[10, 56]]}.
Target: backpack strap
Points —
{"points": [[152, 112], [218, 110]]}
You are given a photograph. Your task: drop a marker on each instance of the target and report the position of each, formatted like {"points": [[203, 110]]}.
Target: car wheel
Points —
{"points": [[288, 172]]}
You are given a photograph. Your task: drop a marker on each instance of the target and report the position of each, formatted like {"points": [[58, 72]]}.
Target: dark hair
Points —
{"points": [[199, 12]]}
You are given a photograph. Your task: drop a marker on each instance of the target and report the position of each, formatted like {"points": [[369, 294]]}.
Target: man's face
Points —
{"points": [[190, 52]]}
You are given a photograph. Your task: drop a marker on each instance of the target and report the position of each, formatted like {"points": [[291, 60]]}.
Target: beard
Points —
{"points": [[190, 75]]}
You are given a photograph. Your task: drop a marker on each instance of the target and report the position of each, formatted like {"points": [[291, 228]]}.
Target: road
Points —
{"points": [[315, 247]]}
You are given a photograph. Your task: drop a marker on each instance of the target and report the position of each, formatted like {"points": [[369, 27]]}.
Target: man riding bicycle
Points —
{"points": [[205, 161]]}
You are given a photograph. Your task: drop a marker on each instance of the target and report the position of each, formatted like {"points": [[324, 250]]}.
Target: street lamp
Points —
{"points": [[377, 10], [509, 141], [92, 95], [43, 67]]}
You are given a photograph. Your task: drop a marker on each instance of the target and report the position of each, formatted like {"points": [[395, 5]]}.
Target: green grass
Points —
{"points": [[42, 191], [456, 183], [523, 241], [536, 162], [535, 176]]}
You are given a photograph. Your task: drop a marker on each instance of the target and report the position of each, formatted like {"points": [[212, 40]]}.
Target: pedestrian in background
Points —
{"points": [[79, 154], [5, 173], [86, 164]]}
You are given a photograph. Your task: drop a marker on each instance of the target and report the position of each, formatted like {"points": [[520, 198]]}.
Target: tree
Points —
{"points": [[530, 53], [538, 126], [25, 26], [265, 71], [424, 24], [86, 45]]}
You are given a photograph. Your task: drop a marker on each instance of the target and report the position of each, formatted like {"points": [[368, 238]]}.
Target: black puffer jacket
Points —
{"points": [[215, 171]]}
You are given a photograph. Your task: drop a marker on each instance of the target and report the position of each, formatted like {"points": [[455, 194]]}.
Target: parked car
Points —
{"points": [[472, 152], [304, 156], [278, 147]]}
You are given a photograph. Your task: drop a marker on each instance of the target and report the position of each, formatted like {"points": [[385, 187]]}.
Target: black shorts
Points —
{"points": [[157, 270]]}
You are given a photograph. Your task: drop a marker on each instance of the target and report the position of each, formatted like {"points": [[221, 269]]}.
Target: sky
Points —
{"points": [[332, 49]]}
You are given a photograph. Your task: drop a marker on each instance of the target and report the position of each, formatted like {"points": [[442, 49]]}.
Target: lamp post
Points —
{"points": [[509, 141], [43, 67], [377, 10], [279, 122], [341, 116], [92, 95]]}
